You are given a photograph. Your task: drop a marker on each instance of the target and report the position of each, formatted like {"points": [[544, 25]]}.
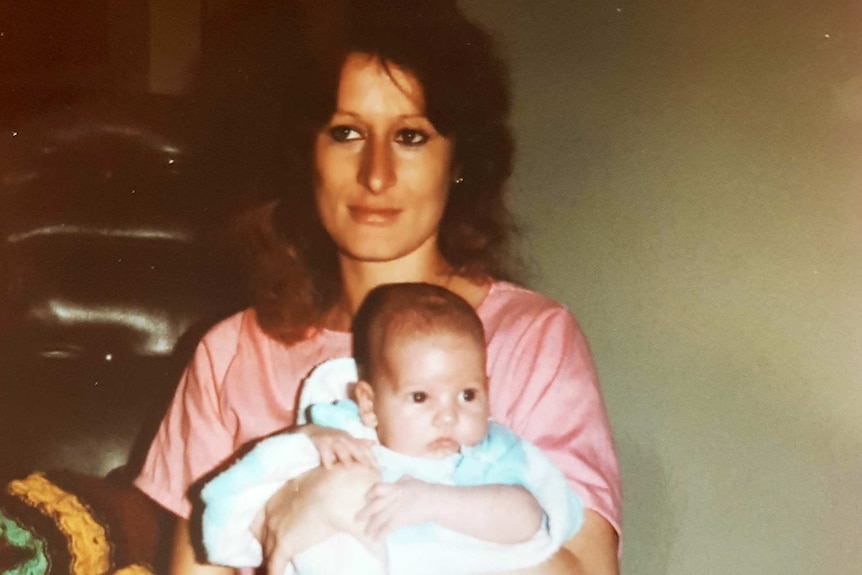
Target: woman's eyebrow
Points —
{"points": [[417, 116]]}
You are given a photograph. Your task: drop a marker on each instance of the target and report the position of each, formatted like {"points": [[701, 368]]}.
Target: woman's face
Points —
{"points": [[382, 170]]}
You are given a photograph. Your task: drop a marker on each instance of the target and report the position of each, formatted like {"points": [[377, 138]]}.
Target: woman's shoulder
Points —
{"points": [[240, 339], [229, 330], [507, 300], [511, 312], [237, 334]]}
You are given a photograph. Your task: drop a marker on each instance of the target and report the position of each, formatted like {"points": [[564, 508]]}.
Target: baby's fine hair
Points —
{"points": [[410, 310]]}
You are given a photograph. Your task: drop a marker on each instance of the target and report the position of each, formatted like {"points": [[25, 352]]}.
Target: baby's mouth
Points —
{"points": [[444, 446]]}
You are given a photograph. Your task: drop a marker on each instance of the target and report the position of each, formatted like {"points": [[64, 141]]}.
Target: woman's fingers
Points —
{"points": [[351, 451], [327, 458], [380, 490], [360, 452], [376, 516], [376, 500], [364, 453], [345, 450], [335, 445], [384, 510], [281, 516], [342, 453]]}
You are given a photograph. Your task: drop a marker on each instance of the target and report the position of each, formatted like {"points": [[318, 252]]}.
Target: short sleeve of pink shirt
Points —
{"points": [[242, 385], [544, 388]]}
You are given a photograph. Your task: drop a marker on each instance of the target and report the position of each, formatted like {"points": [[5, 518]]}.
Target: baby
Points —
{"points": [[458, 493]]}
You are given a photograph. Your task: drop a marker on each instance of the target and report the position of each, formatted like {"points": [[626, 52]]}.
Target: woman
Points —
{"points": [[397, 152]]}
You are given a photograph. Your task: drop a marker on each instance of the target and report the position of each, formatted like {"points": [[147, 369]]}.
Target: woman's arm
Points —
{"points": [[547, 392], [592, 551], [183, 560]]}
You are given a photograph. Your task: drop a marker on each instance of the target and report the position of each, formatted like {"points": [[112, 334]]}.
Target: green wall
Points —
{"points": [[689, 180]]}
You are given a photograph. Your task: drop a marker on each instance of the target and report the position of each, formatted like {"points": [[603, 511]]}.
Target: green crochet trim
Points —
{"points": [[35, 561]]}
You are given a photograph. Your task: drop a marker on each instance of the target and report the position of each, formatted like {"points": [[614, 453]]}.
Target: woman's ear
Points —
{"points": [[365, 401]]}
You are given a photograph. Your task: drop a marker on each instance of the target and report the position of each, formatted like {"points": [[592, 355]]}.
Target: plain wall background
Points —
{"points": [[689, 180]]}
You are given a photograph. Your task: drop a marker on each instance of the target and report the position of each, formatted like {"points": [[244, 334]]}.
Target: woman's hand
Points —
{"points": [[337, 446], [310, 509]]}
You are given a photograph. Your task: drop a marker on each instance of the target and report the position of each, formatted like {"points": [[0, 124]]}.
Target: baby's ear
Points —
{"points": [[365, 400]]}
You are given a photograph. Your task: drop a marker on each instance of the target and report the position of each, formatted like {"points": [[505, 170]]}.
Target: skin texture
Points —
{"points": [[367, 168]]}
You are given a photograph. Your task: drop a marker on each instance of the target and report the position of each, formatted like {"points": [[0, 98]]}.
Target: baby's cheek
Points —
{"points": [[478, 431]]}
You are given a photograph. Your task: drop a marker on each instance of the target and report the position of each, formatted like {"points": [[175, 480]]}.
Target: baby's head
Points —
{"points": [[420, 354]]}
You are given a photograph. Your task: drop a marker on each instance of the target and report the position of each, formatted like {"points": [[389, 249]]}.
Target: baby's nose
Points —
{"points": [[446, 415]]}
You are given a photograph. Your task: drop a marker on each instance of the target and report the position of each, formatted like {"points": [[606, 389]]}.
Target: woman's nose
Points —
{"points": [[377, 172]]}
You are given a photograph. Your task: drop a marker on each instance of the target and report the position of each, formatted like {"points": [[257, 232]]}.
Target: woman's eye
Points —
{"points": [[418, 397], [468, 395], [411, 137], [343, 134]]}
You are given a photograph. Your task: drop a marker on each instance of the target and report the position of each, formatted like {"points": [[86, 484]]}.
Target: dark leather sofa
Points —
{"points": [[113, 261]]}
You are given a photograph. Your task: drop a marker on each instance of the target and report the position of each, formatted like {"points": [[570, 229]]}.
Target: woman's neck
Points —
{"points": [[358, 278], [425, 264]]}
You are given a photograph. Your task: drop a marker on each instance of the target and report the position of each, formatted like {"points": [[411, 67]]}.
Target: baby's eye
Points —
{"points": [[343, 134], [468, 395], [410, 137], [418, 397]]}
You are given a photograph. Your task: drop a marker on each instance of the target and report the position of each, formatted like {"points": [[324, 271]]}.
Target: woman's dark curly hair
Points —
{"points": [[285, 82]]}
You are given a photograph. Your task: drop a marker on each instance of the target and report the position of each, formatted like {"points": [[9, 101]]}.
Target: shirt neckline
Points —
{"points": [[479, 311]]}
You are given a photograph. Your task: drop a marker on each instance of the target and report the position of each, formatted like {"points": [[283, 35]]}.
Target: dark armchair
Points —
{"points": [[113, 261]]}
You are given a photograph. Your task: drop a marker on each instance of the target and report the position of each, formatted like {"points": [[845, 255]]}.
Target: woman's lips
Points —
{"points": [[373, 216]]}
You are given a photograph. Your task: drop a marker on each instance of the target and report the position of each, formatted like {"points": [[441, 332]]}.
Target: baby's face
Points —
{"points": [[430, 396]]}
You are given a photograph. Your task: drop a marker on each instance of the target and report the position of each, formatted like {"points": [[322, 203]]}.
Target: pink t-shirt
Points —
{"points": [[242, 384]]}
